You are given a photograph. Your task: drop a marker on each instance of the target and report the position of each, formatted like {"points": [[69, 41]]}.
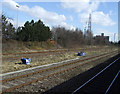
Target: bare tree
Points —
{"points": [[67, 38]]}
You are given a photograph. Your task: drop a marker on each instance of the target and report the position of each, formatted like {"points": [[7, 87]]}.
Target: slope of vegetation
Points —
{"points": [[13, 46]]}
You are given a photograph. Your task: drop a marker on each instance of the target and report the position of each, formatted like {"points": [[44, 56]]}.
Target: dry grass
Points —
{"points": [[42, 60]]}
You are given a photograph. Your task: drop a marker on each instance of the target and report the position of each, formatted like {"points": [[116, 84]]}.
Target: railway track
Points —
{"points": [[17, 56], [103, 81], [54, 67], [49, 51], [20, 81], [14, 60]]}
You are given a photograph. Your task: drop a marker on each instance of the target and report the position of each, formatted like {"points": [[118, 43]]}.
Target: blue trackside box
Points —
{"points": [[81, 54], [78, 54], [26, 61]]}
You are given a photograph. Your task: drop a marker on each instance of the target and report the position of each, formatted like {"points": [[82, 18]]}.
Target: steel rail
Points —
{"points": [[52, 74], [36, 54], [54, 67], [95, 76], [42, 53], [63, 50], [18, 57]]}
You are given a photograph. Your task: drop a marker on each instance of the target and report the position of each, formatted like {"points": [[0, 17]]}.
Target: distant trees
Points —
{"points": [[37, 31], [88, 36], [33, 31], [68, 38], [8, 31]]}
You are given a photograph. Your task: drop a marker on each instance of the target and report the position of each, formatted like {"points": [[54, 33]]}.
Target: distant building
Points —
{"points": [[101, 39]]}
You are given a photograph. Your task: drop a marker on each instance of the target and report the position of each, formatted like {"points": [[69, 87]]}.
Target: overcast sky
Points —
{"points": [[68, 13]]}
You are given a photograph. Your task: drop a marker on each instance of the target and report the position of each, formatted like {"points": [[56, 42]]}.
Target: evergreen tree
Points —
{"points": [[8, 31], [34, 31]]}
